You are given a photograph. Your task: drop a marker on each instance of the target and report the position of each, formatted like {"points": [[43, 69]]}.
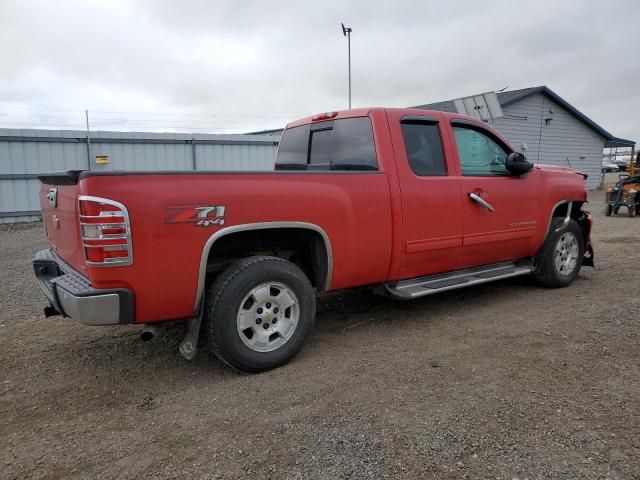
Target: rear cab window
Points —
{"points": [[343, 144]]}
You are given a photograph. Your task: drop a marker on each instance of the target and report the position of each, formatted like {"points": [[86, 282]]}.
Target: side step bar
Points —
{"points": [[420, 287]]}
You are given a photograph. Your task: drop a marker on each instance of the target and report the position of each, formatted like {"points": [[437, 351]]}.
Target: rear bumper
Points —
{"points": [[71, 294]]}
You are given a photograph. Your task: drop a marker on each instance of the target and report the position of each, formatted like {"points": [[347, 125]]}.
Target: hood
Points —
{"points": [[557, 168]]}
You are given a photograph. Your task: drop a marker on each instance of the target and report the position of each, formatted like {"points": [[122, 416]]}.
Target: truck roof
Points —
{"points": [[364, 111]]}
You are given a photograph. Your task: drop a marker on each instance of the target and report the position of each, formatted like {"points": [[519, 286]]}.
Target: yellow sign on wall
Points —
{"points": [[102, 159]]}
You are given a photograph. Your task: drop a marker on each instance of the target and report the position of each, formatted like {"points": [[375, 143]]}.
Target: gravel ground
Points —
{"points": [[502, 381]]}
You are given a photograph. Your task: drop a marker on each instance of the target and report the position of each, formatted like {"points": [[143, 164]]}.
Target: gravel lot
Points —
{"points": [[501, 381]]}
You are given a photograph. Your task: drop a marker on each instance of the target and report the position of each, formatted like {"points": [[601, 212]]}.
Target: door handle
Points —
{"points": [[480, 201]]}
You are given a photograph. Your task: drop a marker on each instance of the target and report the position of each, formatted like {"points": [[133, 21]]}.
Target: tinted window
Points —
{"points": [[479, 154], [293, 149], [345, 144], [321, 148], [424, 148]]}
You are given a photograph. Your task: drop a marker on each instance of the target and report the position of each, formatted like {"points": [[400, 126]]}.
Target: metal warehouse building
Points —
{"points": [[26, 153], [548, 129]]}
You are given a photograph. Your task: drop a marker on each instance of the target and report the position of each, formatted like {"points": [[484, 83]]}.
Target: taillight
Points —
{"points": [[106, 232]]}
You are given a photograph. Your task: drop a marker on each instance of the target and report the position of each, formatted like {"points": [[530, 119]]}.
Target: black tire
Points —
{"points": [[609, 210], [546, 272], [225, 298]]}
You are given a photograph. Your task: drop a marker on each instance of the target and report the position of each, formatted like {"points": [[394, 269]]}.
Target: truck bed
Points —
{"points": [[351, 207]]}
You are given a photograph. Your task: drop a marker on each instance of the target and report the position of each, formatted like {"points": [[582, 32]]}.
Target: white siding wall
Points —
{"points": [[562, 142]]}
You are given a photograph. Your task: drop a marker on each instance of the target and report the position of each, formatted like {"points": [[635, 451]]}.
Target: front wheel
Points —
{"points": [[259, 312], [560, 258]]}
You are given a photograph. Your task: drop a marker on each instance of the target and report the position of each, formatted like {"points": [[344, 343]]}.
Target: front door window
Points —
{"points": [[479, 154]]}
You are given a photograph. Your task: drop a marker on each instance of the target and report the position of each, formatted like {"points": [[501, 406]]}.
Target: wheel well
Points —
{"points": [[576, 213], [304, 247], [561, 210]]}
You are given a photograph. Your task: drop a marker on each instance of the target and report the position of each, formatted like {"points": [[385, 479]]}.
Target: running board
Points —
{"points": [[420, 287]]}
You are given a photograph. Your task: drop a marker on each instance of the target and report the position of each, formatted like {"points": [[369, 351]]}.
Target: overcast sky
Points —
{"points": [[226, 66]]}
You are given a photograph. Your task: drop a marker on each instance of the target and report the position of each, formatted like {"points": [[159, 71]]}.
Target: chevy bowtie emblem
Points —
{"points": [[201, 215]]}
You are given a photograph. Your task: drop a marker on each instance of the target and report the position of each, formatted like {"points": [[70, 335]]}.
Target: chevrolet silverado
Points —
{"points": [[409, 202]]}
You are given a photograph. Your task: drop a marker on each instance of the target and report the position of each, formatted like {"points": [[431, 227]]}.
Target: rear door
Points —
{"points": [[499, 212], [341, 188], [431, 206]]}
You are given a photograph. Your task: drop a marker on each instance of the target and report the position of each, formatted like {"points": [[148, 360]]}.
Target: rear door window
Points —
{"points": [[424, 148]]}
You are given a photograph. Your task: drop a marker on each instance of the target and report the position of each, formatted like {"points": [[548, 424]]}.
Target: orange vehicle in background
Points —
{"points": [[625, 193]]}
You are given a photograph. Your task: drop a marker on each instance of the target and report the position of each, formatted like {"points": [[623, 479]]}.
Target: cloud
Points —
{"points": [[236, 65]]}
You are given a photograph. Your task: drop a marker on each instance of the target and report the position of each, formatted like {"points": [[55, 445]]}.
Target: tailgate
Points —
{"points": [[58, 199]]}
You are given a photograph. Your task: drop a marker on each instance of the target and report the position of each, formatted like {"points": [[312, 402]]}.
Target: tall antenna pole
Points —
{"points": [[346, 31]]}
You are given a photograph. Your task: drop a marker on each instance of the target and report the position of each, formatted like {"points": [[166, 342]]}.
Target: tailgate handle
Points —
{"points": [[480, 201], [52, 196]]}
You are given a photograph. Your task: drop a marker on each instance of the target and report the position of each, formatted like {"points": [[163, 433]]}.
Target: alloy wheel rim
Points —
{"points": [[566, 254], [268, 316]]}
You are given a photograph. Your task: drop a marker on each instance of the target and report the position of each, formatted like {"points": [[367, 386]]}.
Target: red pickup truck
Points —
{"points": [[409, 202]]}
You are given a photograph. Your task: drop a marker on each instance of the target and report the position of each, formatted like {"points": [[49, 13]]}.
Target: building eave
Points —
{"points": [[610, 141], [544, 90]]}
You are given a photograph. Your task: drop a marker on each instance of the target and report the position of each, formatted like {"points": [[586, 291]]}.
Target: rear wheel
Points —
{"points": [[560, 259], [609, 210], [259, 312]]}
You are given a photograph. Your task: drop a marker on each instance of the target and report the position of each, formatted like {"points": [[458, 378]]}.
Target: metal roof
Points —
{"points": [[513, 96]]}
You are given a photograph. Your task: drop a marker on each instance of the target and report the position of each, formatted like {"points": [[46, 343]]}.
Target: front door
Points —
{"points": [[499, 214]]}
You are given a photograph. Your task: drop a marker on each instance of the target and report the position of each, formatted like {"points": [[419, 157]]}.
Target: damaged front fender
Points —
{"points": [[585, 221]]}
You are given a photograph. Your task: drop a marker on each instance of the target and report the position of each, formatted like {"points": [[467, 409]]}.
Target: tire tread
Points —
{"points": [[217, 290], [545, 272]]}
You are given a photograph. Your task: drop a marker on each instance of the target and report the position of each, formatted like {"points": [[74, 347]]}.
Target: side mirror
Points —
{"points": [[517, 164]]}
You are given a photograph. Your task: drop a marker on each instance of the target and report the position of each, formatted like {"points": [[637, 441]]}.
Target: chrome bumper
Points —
{"points": [[71, 294]]}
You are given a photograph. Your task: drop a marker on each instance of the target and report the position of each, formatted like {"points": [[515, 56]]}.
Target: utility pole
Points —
{"points": [[346, 31], [86, 116]]}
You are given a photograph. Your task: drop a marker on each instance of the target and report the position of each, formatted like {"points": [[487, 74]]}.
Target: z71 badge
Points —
{"points": [[201, 215]]}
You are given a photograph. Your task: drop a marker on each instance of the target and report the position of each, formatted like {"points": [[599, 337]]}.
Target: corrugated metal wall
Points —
{"points": [[26, 153], [563, 140]]}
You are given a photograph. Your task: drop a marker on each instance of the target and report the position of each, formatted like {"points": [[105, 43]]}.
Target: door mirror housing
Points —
{"points": [[517, 164]]}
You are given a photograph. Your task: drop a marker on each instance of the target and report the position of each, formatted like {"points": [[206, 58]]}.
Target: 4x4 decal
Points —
{"points": [[201, 215]]}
